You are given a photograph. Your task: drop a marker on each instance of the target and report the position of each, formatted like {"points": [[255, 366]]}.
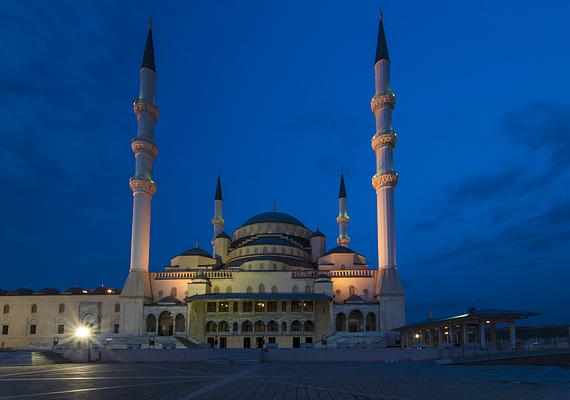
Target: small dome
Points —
{"points": [[317, 233], [273, 216], [353, 298], [49, 291], [3, 292], [169, 300], [76, 290], [101, 290], [24, 291], [223, 235], [196, 251], [340, 249]]}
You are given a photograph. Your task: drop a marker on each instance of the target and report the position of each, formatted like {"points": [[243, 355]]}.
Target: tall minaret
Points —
{"points": [[218, 220], [137, 289], [342, 220], [389, 288]]}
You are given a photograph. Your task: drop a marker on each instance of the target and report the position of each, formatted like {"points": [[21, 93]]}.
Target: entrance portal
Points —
{"points": [[246, 343], [165, 324]]}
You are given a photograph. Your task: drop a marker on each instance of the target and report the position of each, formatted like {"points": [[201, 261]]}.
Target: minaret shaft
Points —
{"points": [[343, 219]]}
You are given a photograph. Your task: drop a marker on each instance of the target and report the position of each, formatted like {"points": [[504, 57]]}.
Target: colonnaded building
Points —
{"points": [[272, 280]]}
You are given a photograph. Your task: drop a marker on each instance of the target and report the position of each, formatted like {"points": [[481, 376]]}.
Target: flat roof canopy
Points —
{"points": [[473, 316]]}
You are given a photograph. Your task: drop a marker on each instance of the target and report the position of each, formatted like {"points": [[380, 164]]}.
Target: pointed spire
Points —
{"points": [[218, 189], [381, 46], [148, 57], [342, 192]]}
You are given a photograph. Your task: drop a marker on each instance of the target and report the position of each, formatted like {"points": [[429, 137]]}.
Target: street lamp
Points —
{"points": [[82, 333]]}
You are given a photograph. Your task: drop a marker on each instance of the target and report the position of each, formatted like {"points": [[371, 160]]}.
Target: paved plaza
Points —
{"points": [[354, 381]]}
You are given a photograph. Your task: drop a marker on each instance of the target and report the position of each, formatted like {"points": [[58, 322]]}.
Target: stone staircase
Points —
{"points": [[235, 356], [25, 357], [356, 340]]}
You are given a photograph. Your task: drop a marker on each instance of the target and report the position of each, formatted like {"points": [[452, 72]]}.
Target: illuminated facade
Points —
{"points": [[271, 281]]}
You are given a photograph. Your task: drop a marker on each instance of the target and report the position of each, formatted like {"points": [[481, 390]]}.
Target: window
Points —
{"points": [[295, 289], [351, 290], [224, 327], [5, 329], [249, 289], [283, 306], [260, 326], [229, 289], [272, 306], [60, 329], [115, 328], [211, 306], [308, 326], [274, 288], [151, 323], [259, 306], [296, 326], [295, 306], [118, 307], [160, 294], [272, 326], [247, 306], [308, 306], [308, 289], [223, 306], [61, 308], [216, 289], [247, 327], [235, 327], [235, 306], [6, 309], [262, 288], [272, 340], [33, 329], [173, 292], [34, 308], [283, 327]]}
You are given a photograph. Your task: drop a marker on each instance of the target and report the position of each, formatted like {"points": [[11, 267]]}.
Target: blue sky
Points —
{"points": [[276, 96]]}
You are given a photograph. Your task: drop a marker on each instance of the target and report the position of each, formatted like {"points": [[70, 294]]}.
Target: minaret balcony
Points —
{"points": [[140, 107], [343, 219], [382, 139], [217, 221], [343, 241], [379, 101], [141, 184], [144, 146], [386, 179]]}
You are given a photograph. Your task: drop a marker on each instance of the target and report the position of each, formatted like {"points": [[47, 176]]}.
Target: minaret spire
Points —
{"points": [[342, 220], [137, 291], [389, 290], [218, 220]]}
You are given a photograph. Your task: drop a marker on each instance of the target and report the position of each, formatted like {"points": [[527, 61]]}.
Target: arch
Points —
{"points": [[272, 326], [229, 289], [61, 308], [308, 326], [160, 294], [340, 322], [211, 326], [308, 289], [6, 309], [260, 326], [355, 321], [117, 307], [247, 327], [261, 288], [216, 289], [34, 308], [223, 327], [265, 250], [173, 292], [235, 327], [283, 326], [351, 290], [274, 250], [179, 323], [274, 289], [151, 323], [296, 326], [165, 324], [370, 322], [249, 289], [295, 289]]}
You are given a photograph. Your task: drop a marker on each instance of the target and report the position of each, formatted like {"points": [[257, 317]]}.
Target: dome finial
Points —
{"points": [[197, 244], [274, 206], [380, 13], [150, 23]]}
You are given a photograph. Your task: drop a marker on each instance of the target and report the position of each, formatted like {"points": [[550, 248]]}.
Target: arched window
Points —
{"points": [[247, 327], [308, 326], [272, 326], [173, 292], [151, 323], [265, 250], [160, 294], [165, 324], [117, 307], [340, 322], [351, 290], [370, 322], [235, 327], [274, 250], [229, 289], [249, 289], [296, 326], [355, 321], [274, 289], [216, 289], [308, 289], [260, 326], [34, 308], [6, 309], [223, 327], [179, 323], [283, 326], [61, 308], [211, 326], [261, 288], [295, 289]]}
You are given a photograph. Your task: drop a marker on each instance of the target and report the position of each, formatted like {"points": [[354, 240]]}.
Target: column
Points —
{"points": [[465, 335], [493, 340], [512, 335], [482, 335]]}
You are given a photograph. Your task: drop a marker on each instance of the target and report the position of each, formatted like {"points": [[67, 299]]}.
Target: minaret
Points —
{"points": [[137, 289], [389, 288], [217, 221], [342, 220]]}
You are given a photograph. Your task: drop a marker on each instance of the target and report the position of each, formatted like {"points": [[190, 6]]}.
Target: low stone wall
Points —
{"points": [[155, 355], [350, 355]]}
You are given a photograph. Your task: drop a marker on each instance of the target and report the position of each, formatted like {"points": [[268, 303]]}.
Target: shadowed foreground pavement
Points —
{"points": [[354, 381]]}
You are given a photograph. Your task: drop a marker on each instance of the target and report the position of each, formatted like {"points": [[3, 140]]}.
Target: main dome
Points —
{"points": [[273, 216]]}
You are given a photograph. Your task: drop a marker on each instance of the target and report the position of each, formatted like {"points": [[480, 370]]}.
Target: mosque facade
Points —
{"points": [[272, 281]]}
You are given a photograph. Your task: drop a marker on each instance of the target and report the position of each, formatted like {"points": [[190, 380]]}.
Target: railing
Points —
{"points": [[191, 274], [490, 352], [339, 273]]}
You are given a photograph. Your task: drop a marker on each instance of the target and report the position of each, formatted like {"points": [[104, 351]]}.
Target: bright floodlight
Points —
{"points": [[82, 332]]}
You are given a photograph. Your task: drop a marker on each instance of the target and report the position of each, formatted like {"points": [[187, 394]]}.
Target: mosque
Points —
{"points": [[271, 281]]}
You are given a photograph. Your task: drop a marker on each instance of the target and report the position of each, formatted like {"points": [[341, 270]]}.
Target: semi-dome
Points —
{"points": [[273, 216], [49, 290]]}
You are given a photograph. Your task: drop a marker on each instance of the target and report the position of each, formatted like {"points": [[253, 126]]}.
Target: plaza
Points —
{"points": [[382, 381]]}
